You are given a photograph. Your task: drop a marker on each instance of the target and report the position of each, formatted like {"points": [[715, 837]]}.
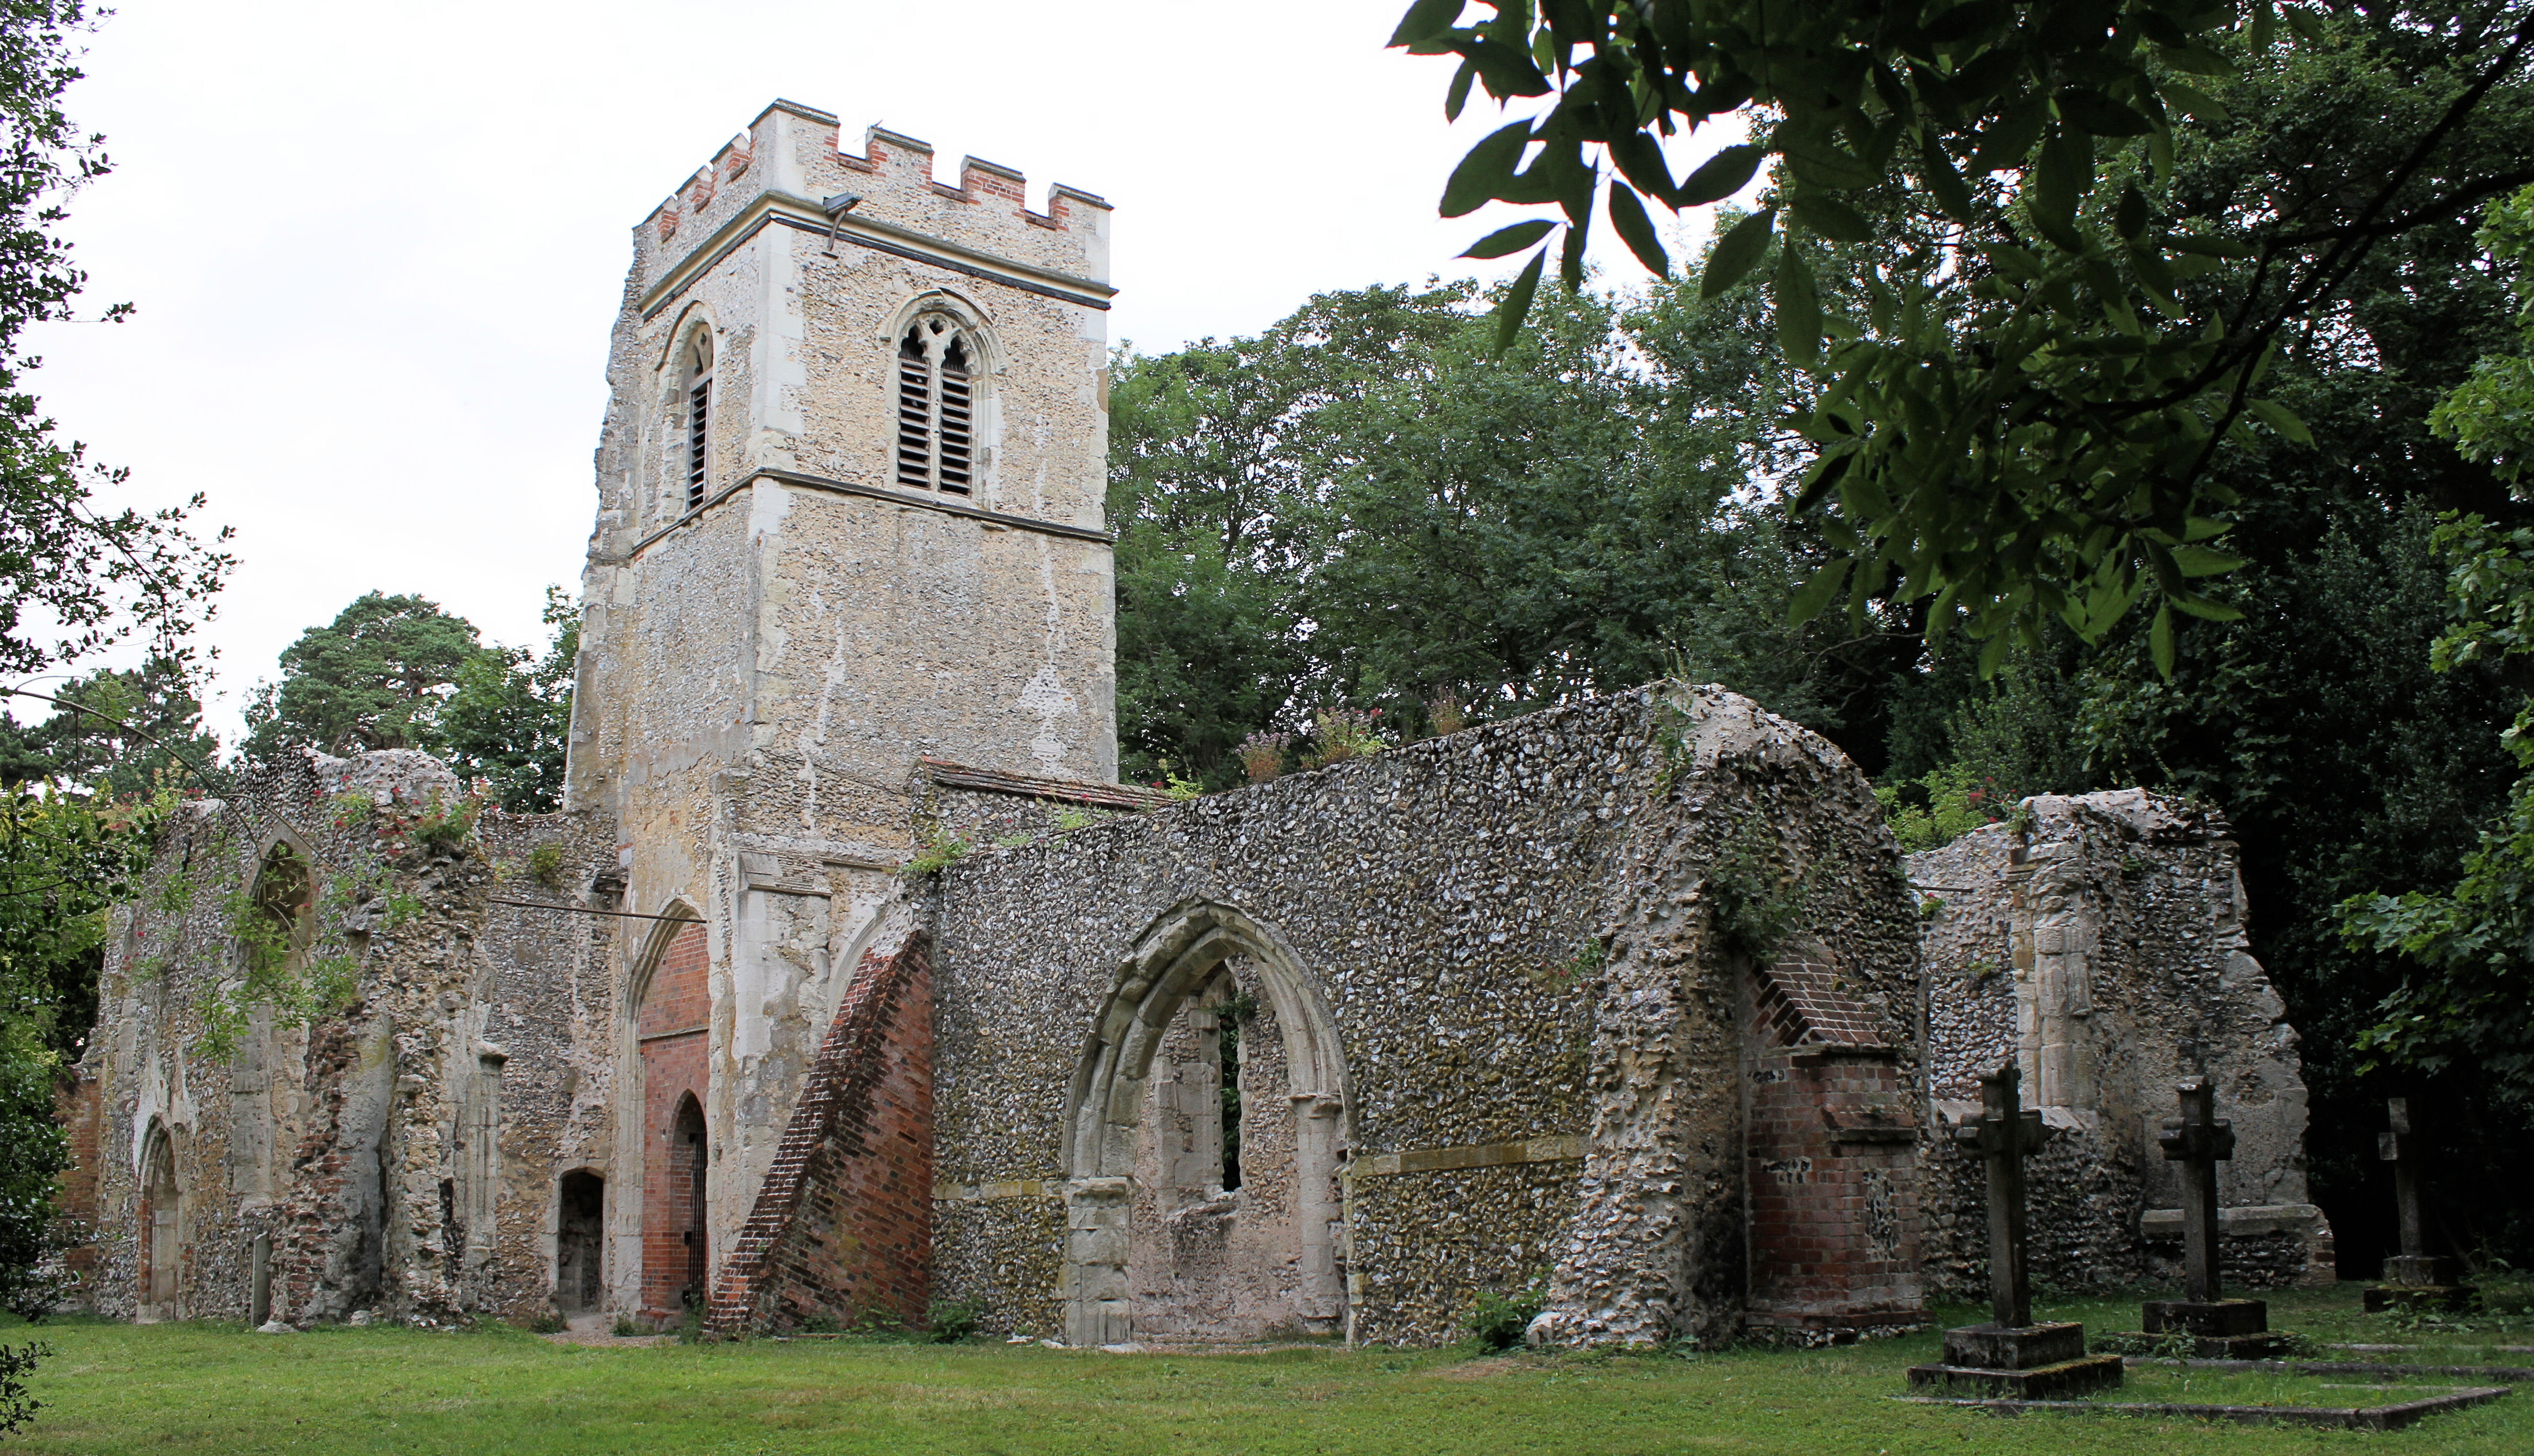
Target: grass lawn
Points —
{"points": [[215, 1388]]}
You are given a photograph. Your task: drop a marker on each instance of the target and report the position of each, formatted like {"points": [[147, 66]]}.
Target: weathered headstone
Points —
{"points": [[2012, 1356], [2414, 1279], [2216, 1328]]}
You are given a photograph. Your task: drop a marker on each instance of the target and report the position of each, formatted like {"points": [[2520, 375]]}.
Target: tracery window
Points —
{"points": [[935, 406], [700, 381]]}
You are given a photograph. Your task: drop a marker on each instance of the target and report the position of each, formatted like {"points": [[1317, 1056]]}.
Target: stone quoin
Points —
{"points": [[851, 984]]}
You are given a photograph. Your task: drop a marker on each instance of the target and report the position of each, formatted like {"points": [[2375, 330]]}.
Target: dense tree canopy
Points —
{"points": [[511, 718], [374, 678], [1367, 507], [1402, 511], [2025, 406]]}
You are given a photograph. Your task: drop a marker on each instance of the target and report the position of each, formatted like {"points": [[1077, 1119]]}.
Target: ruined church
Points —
{"points": [[851, 985]]}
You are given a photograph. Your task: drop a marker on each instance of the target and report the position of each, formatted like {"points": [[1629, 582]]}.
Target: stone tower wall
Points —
{"points": [[762, 674]]}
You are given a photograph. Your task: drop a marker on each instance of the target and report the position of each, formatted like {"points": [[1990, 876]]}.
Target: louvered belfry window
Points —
{"points": [[700, 423], [935, 409]]}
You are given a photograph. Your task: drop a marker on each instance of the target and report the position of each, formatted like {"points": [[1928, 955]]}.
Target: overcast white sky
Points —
{"points": [[376, 250]]}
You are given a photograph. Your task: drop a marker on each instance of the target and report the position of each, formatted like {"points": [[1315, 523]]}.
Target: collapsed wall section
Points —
{"points": [[2100, 941], [391, 1150]]}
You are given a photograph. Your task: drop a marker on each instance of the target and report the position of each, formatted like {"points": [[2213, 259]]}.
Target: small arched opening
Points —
{"points": [[689, 1157], [1208, 1129], [580, 1242], [162, 1223], [696, 443]]}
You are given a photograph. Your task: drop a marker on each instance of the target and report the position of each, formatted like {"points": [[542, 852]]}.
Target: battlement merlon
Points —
{"points": [[782, 169]]}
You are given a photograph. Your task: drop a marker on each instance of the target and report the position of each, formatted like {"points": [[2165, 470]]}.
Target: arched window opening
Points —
{"points": [[280, 925], [273, 937], [935, 407], [700, 383]]}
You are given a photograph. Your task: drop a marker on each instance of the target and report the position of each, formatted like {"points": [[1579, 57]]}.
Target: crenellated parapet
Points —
{"points": [[788, 164]]}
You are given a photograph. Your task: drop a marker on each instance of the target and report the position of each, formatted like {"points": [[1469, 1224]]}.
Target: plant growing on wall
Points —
{"points": [[1262, 755], [1344, 733], [1755, 890]]}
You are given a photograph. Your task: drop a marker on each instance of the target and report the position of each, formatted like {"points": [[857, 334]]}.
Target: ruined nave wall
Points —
{"points": [[1522, 1016], [2100, 941], [356, 1143]]}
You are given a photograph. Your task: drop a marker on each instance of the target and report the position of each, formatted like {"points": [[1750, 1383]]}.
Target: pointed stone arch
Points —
{"points": [[273, 937], [674, 918], [161, 1221], [1174, 959]]}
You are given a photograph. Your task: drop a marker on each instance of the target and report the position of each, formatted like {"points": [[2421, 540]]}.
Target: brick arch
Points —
{"points": [[1174, 957], [672, 1027]]}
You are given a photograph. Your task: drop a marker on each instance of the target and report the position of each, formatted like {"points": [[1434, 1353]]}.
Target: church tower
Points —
{"points": [[849, 530]]}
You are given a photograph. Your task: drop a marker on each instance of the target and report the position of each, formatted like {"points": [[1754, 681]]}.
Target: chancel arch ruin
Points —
{"points": [[1619, 996]]}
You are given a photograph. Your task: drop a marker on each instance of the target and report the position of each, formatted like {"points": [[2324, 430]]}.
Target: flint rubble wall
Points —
{"points": [[346, 1169], [1512, 927], [2100, 939]]}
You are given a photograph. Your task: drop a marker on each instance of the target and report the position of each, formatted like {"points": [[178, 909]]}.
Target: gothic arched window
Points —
{"points": [[935, 406], [700, 365]]}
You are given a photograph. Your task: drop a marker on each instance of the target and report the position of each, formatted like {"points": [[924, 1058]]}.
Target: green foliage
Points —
{"points": [[1463, 533], [545, 864], [2023, 405], [1755, 891], [122, 733], [1498, 1317], [2490, 416], [38, 1150], [2474, 1008], [446, 826], [1342, 732], [1070, 816], [17, 1403], [510, 718], [938, 853], [1955, 804], [950, 1321], [297, 961], [374, 678]]}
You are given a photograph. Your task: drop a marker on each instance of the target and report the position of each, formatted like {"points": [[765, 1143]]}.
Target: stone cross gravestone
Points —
{"points": [[2013, 1356], [2414, 1279], [2214, 1328], [2004, 1135]]}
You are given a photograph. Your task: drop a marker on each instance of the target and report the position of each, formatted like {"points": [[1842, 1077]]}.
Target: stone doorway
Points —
{"points": [[1193, 1216], [579, 1241], [161, 1229]]}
